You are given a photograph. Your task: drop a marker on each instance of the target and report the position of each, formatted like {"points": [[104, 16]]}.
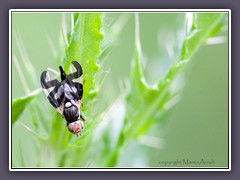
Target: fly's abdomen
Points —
{"points": [[71, 113]]}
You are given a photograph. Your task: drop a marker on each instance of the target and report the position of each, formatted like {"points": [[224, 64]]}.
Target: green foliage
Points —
{"points": [[84, 46], [84, 43], [144, 105], [19, 104], [204, 26]]}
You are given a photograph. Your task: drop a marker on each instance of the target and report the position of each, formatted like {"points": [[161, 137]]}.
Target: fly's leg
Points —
{"points": [[83, 118]]}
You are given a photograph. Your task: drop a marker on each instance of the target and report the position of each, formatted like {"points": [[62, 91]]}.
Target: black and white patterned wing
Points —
{"points": [[53, 90], [76, 77]]}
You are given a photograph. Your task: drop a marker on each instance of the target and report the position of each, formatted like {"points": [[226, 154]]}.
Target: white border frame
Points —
{"points": [[117, 11]]}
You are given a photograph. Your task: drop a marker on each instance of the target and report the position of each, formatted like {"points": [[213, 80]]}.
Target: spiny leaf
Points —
{"points": [[19, 104], [85, 44], [204, 26], [138, 118], [83, 40], [85, 47]]}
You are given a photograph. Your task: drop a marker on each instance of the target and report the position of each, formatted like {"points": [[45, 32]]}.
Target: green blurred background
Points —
{"points": [[196, 129]]}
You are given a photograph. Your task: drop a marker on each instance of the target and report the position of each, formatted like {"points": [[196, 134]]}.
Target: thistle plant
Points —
{"points": [[137, 109]]}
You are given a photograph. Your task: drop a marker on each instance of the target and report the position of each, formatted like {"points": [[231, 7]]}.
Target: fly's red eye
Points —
{"points": [[77, 129]]}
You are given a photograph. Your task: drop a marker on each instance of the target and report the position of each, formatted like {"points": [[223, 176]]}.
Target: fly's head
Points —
{"points": [[75, 127]]}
